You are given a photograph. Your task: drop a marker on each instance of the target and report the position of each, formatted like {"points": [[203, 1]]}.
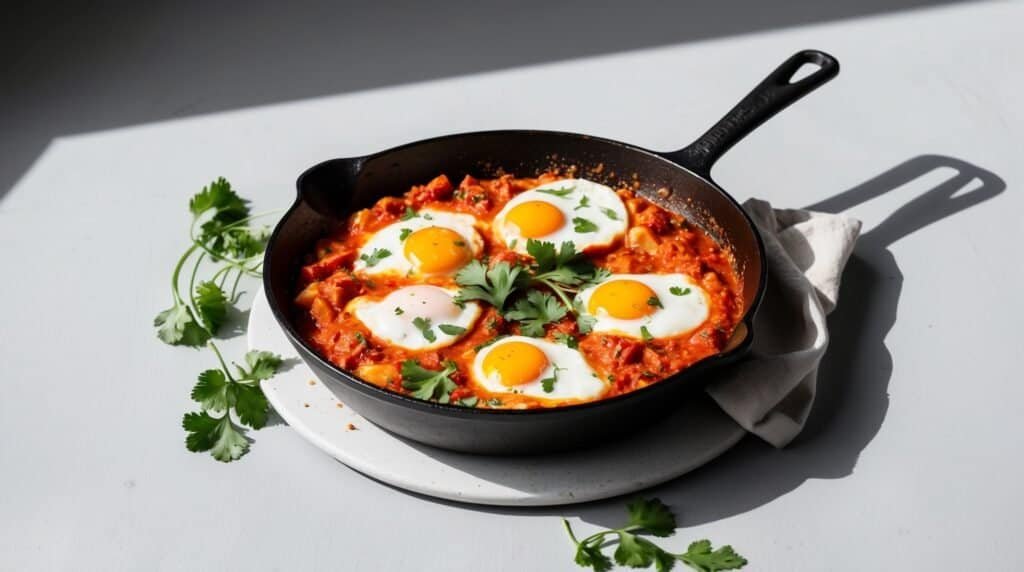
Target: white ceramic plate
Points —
{"points": [[694, 435]]}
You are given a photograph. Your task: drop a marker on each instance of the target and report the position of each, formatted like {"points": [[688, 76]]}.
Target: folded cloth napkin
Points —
{"points": [[771, 391]]}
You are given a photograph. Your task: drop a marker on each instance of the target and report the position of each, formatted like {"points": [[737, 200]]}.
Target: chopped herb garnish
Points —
{"points": [[409, 213], [645, 334], [654, 301], [399, 311], [428, 384], [561, 192], [423, 325], [404, 233], [548, 383], [610, 213], [676, 290], [564, 338], [452, 330], [374, 257], [581, 224], [513, 243], [360, 338], [536, 311], [584, 203], [493, 285], [427, 216], [494, 402], [470, 401]]}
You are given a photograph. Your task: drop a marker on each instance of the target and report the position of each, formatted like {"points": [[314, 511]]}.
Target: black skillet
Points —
{"points": [[330, 191]]}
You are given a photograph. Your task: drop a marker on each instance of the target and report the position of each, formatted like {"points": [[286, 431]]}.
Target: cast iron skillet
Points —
{"points": [[330, 191]]}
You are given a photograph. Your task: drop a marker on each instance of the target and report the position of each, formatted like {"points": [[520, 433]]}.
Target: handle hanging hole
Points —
{"points": [[806, 69]]}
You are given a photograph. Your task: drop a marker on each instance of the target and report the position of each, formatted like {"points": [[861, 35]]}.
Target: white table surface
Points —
{"points": [[912, 458]]}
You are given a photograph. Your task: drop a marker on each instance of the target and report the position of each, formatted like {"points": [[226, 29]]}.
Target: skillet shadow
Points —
{"points": [[852, 398]]}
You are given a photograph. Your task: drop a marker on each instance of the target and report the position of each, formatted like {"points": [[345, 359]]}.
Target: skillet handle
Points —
{"points": [[770, 96]]}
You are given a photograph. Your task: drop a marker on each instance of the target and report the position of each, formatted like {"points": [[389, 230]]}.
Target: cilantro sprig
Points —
{"points": [[426, 383], [535, 311], [223, 243], [219, 392], [650, 517], [563, 271], [492, 285]]}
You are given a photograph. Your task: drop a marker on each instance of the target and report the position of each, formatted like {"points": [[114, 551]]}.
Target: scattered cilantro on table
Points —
{"points": [[224, 243], [649, 517]]}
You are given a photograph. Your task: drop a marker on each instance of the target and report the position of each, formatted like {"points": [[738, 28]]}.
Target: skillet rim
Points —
{"points": [[449, 409]]}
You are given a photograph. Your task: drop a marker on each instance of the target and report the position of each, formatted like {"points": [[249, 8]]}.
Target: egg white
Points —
{"points": [[419, 301], [599, 198], [576, 380], [679, 314], [390, 238]]}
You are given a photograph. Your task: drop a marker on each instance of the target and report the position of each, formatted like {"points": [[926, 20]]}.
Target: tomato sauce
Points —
{"points": [[657, 241]]}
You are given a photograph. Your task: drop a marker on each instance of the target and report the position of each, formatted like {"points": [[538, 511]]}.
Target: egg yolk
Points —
{"points": [[535, 219], [623, 299], [436, 249], [515, 363]]}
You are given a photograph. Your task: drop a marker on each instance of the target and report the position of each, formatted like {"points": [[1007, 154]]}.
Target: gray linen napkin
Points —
{"points": [[770, 392]]}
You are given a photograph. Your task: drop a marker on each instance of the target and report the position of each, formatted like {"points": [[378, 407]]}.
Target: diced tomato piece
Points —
{"points": [[339, 289], [325, 266], [439, 189]]}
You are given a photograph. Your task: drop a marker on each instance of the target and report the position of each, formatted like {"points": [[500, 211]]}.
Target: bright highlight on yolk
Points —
{"points": [[515, 363], [536, 219], [623, 299], [436, 249]]}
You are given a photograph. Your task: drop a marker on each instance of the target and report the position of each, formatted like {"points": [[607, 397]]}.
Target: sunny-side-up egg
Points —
{"points": [[646, 306], [583, 212], [419, 317], [430, 243], [536, 368]]}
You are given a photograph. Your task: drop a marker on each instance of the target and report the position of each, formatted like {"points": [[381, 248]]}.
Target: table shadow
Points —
{"points": [[854, 375]]}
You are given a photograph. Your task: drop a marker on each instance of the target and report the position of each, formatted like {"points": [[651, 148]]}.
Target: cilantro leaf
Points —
{"points": [[564, 338], [584, 203], [423, 325], [536, 311], [177, 326], [428, 384], [212, 390], [591, 556], [655, 302], [700, 557], [409, 213], [581, 224], [404, 234], [676, 290], [375, 257], [560, 192], [219, 436], [585, 323], [548, 383], [645, 334], [652, 515], [635, 551], [262, 365], [220, 197], [251, 405], [212, 305], [493, 285], [452, 330], [470, 401], [399, 311], [610, 213]]}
